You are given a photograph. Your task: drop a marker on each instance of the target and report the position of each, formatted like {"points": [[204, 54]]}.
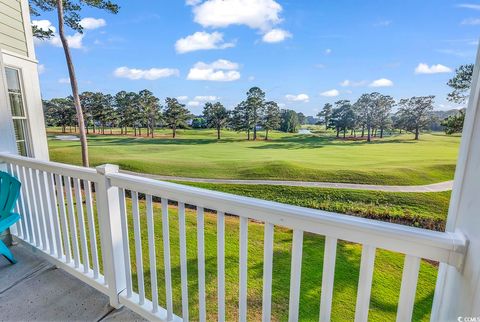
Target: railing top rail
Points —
{"points": [[444, 247], [53, 167]]}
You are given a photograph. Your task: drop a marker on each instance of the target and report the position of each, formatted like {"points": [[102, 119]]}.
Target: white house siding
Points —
{"points": [[17, 52], [12, 31]]}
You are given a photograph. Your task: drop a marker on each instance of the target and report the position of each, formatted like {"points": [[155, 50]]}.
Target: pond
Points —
{"points": [[304, 131], [67, 138]]}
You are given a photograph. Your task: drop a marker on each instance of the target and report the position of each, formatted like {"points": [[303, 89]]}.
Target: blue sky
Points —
{"points": [[302, 53]]}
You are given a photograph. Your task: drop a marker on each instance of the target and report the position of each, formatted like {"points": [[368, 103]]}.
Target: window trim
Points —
{"points": [[27, 137]]}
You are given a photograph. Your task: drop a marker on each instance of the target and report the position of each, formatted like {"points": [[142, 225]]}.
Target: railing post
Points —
{"points": [[457, 293], [111, 233]]}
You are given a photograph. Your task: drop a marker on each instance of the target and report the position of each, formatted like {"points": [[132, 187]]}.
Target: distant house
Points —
{"points": [[20, 99]]}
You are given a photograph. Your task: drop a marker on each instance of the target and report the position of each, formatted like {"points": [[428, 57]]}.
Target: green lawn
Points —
{"points": [[196, 153], [386, 281]]}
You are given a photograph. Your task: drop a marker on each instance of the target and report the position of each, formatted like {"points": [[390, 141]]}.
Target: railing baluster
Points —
{"points": [[202, 310], [47, 211], [81, 224], [63, 217], [408, 289], [295, 275], [152, 254], [183, 259], [39, 208], [242, 297], [101, 223], [126, 246], [166, 258], [138, 248], [11, 169], [54, 210], [33, 205], [367, 265], [221, 265], [72, 221], [91, 227], [328, 276], [26, 215], [267, 272]]}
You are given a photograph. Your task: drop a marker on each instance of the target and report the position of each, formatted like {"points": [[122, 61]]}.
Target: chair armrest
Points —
{"points": [[9, 220]]}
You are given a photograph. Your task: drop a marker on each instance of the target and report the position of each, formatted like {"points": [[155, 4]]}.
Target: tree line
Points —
{"points": [[372, 114], [143, 111]]}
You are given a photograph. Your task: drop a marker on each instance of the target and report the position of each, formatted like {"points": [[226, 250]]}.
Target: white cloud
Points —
{"points": [[469, 6], [44, 25], [41, 68], [276, 35], [74, 41], [256, 14], [433, 69], [193, 104], [382, 82], [64, 80], [330, 93], [471, 21], [149, 74], [383, 23], [219, 64], [349, 83], [298, 98], [198, 100], [192, 2], [202, 40], [221, 70], [90, 23], [207, 98], [328, 51]]}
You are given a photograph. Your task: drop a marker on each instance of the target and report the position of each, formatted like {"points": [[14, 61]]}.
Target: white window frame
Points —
{"points": [[27, 136]]}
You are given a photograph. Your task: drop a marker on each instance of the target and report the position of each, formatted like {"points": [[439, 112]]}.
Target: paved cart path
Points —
{"points": [[435, 187]]}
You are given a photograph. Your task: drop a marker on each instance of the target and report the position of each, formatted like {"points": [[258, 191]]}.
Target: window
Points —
{"points": [[19, 116]]}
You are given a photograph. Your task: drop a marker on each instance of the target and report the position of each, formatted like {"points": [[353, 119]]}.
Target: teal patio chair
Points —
{"points": [[9, 191]]}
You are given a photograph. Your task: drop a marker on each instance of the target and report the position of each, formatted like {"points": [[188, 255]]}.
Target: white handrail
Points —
{"points": [[438, 246], [52, 167]]}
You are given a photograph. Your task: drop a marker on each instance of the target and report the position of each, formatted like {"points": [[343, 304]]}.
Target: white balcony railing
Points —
{"points": [[55, 199]]}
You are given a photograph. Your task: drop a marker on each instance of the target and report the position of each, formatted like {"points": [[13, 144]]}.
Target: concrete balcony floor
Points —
{"points": [[34, 289]]}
